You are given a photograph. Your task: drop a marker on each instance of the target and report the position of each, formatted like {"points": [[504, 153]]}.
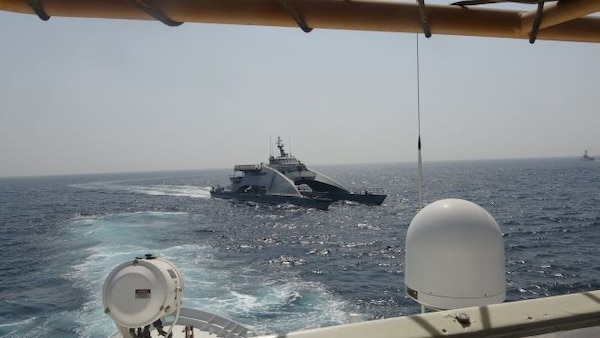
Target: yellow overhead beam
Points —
{"points": [[566, 20]]}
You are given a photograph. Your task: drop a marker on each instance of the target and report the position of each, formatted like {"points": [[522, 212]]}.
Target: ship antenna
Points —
{"points": [[280, 146], [420, 162]]}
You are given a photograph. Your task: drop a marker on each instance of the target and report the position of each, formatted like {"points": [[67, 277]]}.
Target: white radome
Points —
{"points": [[454, 256]]}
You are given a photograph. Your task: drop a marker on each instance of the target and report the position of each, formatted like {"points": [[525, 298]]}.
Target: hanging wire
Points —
{"points": [[420, 162]]}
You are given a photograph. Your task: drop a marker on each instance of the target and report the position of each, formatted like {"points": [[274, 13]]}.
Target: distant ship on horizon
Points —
{"points": [[586, 157]]}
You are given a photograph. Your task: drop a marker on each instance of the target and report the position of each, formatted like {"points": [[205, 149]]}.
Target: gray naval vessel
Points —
{"points": [[319, 183], [285, 179]]}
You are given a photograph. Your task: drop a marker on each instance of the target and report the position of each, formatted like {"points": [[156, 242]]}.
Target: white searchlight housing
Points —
{"points": [[454, 256], [139, 293]]}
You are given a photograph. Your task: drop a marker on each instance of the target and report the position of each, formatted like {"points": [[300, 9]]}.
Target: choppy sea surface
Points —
{"points": [[279, 268]]}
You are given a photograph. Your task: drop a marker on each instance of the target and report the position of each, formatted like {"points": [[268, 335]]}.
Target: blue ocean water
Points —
{"points": [[281, 268]]}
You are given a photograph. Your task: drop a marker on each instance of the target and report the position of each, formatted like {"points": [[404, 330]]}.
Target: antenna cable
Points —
{"points": [[420, 162]]}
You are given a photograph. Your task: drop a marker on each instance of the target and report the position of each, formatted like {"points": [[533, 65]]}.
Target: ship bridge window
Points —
{"points": [[304, 188]]}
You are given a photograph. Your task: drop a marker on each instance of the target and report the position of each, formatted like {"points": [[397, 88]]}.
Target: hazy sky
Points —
{"points": [[89, 95]]}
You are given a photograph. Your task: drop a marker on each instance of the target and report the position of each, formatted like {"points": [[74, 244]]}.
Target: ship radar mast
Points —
{"points": [[279, 144]]}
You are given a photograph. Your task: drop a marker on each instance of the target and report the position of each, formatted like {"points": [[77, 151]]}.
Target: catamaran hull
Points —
{"points": [[318, 203]]}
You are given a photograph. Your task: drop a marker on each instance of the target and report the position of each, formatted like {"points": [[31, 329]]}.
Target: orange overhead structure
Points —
{"points": [[566, 20]]}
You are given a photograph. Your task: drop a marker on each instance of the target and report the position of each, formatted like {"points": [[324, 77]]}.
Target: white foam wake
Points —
{"points": [[231, 288], [191, 191]]}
